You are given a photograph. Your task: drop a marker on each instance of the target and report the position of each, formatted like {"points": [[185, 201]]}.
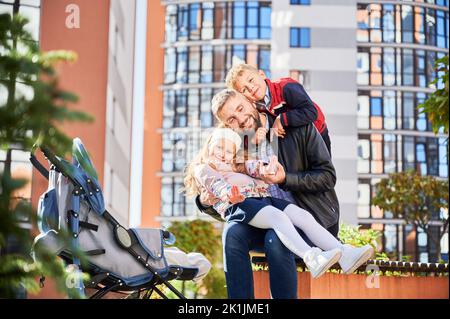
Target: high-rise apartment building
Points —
{"points": [[147, 71], [398, 42], [202, 40], [368, 64]]}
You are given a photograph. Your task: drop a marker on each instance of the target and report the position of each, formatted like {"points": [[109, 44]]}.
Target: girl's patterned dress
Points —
{"points": [[219, 181]]}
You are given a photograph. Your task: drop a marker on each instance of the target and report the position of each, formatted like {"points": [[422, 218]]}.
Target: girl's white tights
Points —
{"points": [[283, 222]]}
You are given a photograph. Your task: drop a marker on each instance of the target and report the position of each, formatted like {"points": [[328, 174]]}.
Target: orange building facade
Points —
{"points": [[86, 77], [89, 78], [103, 34]]}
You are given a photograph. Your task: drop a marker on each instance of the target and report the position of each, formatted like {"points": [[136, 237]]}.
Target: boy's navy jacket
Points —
{"points": [[289, 98]]}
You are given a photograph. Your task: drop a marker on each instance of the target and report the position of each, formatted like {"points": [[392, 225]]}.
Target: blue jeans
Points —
{"points": [[238, 240]]}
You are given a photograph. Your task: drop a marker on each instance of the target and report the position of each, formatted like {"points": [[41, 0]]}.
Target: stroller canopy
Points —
{"points": [[82, 173], [80, 154]]}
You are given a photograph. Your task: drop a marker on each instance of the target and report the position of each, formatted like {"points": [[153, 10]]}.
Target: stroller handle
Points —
{"points": [[55, 161], [51, 157]]}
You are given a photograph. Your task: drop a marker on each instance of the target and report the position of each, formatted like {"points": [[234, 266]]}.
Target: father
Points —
{"points": [[305, 176]]}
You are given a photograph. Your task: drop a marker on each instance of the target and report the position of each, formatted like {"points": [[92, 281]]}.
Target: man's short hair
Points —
{"points": [[236, 71], [219, 100]]}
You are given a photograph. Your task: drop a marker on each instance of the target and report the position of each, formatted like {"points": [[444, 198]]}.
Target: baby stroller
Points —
{"points": [[119, 259]]}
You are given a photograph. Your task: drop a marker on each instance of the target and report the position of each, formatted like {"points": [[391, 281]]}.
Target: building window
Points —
{"points": [[405, 242], [375, 106], [407, 24], [29, 9], [389, 153], [394, 66], [221, 20], [300, 38], [301, 77], [264, 61], [265, 29], [442, 29], [171, 23], [363, 154], [115, 40], [206, 64], [252, 20], [207, 30], [402, 23], [390, 110], [388, 21], [390, 240], [194, 18], [363, 200], [301, 2], [239, 20]]}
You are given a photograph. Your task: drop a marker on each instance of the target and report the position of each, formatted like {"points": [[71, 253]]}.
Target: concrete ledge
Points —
{"points": [[433, 284], [339, 286]]}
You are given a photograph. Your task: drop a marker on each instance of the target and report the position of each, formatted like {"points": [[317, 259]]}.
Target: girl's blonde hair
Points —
{"points": [[191, 187]]}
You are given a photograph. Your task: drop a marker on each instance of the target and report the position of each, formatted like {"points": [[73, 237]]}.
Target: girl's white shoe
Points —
{"points": [[318, 261], [353, 257]]}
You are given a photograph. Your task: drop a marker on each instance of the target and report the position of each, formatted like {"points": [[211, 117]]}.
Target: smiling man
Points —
{"points": [[305, 176]]}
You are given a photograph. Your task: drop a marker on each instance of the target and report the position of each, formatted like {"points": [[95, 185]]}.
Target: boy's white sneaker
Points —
{"points": [[318, 261], [353, 257]]}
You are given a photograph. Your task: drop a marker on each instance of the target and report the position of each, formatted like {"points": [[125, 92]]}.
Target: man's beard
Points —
{"points": [[256, 118], [248, 134]]}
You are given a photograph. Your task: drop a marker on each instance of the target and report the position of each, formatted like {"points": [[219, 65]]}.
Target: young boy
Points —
{"points": [[285, 99]]}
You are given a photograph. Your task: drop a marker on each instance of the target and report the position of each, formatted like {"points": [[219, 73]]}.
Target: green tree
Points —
{"points": [[416, 199], [201, 236], [353, 235], [33, 108], [436, 105]]}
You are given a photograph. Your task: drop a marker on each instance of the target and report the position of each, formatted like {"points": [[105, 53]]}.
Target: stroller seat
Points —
{"points": [[118, 258]]}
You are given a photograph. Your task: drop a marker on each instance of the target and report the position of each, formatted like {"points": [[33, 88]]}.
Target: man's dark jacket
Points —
{"points": [[310, 175]]}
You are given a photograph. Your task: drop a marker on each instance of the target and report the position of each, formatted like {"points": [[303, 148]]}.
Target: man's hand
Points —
{"points": [[235, 195], [260, 135], [207, 199], [277, 128], [278, 178]]}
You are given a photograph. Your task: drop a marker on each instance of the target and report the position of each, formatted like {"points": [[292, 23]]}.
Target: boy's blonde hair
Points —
{"points": [[236, 71]]}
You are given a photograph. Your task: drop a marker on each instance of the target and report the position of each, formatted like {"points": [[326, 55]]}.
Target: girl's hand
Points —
{"points": [[235, 195], [277, 178], [207, 198], [269, 169]]}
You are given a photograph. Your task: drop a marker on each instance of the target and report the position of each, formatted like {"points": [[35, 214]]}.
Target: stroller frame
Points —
{"points": [[105, 282]]}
